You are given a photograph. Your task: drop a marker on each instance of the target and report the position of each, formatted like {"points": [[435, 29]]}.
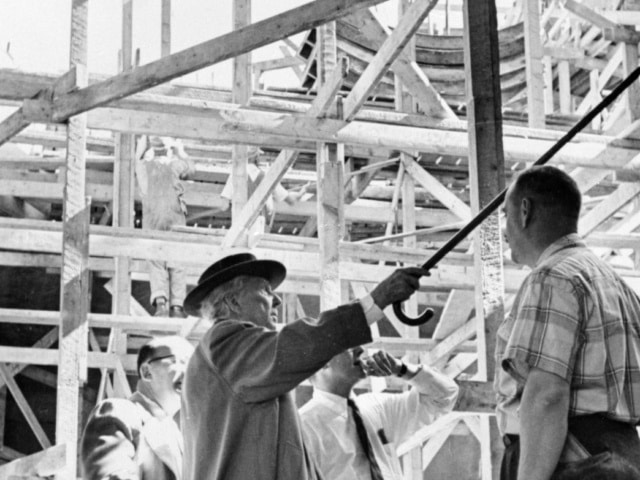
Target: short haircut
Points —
{"points": [[158, 348], [552, 188]]}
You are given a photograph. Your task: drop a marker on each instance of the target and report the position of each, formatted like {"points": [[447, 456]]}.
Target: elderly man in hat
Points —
{"points": [[240, 419], [139, 438]]}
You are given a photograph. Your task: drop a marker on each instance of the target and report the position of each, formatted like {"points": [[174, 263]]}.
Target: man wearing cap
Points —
{"points": [[139, 438], [240, 419]]}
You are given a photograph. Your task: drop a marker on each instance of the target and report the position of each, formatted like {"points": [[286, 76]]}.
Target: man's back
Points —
{"points": [[581, 321]]}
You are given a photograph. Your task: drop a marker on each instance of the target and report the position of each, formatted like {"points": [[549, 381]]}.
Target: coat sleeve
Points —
{"points": [[110, 440], [259, 364]]}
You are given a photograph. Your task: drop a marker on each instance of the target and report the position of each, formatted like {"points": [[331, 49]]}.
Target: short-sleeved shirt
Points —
{"points": [[576, 318]]}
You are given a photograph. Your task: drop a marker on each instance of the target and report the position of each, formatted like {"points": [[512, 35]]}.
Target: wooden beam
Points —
{"points": [[604, 210], [435, 188], [411, 75], [22, 403], [12, 125], [486, 177], [74, 278], [295, 131], [206, 54], [165, 28], [387, 54], [285, 159], [611, 30], [39, 465], [533, 59], [330, 182]]}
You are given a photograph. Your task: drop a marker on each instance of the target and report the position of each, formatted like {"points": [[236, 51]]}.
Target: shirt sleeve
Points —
{"points": [[110, 440], [546, 329], [260, 364], [432, 395]]}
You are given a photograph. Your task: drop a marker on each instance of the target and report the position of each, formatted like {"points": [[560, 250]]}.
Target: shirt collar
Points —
{"points": [[334, 402], [571, 240]]}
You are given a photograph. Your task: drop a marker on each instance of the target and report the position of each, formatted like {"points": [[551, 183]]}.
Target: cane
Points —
{"points": [[497, 201]]}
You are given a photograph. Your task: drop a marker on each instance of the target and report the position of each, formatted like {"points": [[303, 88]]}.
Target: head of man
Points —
{"points": [[161, 366], [341, 373], [541, 206], [238, 287]]}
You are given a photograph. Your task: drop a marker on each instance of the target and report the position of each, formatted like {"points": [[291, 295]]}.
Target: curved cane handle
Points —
{"points": [[423, 318]]}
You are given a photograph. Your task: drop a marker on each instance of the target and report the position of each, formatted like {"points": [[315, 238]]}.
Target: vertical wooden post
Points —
{"points": [[165, 32], [123, 184], [3, 408], [405, 103], [564, 86], [73, 332], [533, 57], [548, 84], [330, 170], [486, 169], [240, 94]]}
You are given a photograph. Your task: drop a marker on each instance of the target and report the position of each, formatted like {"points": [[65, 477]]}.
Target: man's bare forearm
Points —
{"points": [[543, 425]]}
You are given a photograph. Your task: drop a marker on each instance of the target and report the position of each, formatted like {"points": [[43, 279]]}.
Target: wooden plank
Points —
{"points": [[42, 464], [45, 342], [123, 194], [451, 342], [240, 94], [44, 356], [486, 176], [412, 76], [435, 188], [285, 159], [296, 131], [12, 125], [74, 291], [206, 54], [455, 313], [534, 67], [624, 194], [105, 389], [330, 181], [387, 54], [435, 443], [611, 30], [165, 28], [3, 410], [564, 86], [24, 406]]}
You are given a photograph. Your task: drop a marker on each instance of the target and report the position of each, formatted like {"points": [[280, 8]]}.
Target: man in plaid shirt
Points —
{"points": [[568, 354]]}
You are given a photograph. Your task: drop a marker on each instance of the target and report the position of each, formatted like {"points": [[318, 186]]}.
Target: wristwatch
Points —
{"points": [[403, 370]]}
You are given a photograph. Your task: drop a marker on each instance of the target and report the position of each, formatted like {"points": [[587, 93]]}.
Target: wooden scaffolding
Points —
{"points": [[406, 133]]}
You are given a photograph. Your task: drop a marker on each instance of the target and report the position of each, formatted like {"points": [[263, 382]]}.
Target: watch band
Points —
{"points": [[403, 370]]}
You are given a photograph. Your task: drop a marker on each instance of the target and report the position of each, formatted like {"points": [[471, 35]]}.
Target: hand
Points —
{"points": [[380, 364], [398, 286]]}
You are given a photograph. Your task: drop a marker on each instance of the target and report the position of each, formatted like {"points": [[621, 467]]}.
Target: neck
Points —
{"points": [[169, 402], [341, 389]]}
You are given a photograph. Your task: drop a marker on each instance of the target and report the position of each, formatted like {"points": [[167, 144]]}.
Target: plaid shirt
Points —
{"points": [[576, 318]]}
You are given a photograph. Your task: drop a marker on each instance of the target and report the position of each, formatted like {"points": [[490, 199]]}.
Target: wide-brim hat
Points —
{"points": [[227, 269]]}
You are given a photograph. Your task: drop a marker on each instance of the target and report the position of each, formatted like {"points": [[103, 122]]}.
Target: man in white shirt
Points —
{"points": [[330, 423]]}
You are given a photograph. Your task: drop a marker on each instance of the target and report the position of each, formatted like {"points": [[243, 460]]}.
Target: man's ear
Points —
{"points": [[526, 212], [145, 372]]}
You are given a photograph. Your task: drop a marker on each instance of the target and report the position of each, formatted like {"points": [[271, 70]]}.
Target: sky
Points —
{"points": [[38, 32]]}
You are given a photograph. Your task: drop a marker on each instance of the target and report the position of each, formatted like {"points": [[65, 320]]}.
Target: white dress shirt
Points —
{"points": [[390, 419]]}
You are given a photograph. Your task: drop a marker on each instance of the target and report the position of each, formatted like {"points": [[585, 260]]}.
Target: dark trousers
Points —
{"points": [[614, 448]]}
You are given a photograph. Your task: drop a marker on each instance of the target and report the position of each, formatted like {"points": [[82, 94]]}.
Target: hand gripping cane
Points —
{"points": [[497, 201]]}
